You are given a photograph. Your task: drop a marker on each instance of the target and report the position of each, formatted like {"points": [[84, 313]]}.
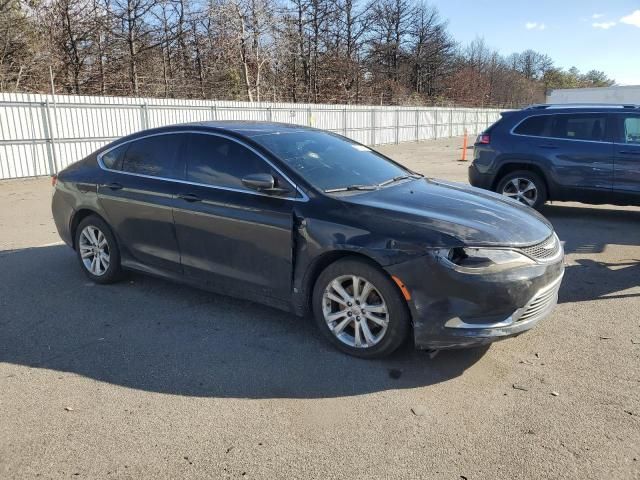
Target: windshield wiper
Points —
{"points": [[398, 178], [350, 188]]}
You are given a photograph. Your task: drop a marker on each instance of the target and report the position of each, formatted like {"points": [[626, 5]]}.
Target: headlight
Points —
{"points": [[479, 260]]}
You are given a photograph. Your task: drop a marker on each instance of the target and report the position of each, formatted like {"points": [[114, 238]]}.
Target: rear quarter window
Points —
{"points": [[113, 158], [533, 126]]}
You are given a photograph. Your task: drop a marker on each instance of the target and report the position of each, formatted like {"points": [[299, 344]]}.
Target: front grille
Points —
{"points": [[544, 250], [540, 303]]}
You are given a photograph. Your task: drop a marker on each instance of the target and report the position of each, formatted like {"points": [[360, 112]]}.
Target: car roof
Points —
{"points": [[580, 108], [246, 128]]}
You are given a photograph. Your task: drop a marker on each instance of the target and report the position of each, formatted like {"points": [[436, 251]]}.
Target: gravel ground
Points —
{"points": [[147, 379]]}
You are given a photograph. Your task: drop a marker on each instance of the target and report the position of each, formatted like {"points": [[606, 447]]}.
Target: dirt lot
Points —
{"points": [[151, 379]]}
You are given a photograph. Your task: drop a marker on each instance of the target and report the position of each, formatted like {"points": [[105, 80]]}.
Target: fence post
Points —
{"points": [[450, 122], [48, 133], [373, 126], [477, 121], [464, 120], [397, 125], [269, 114], [344, 122], [214, 113], [144, 120], [435, 124], [309, 116], [417, 125]]}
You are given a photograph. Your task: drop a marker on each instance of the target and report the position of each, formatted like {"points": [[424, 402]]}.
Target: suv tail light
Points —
{"points": [[54, 180], [484, 139]]}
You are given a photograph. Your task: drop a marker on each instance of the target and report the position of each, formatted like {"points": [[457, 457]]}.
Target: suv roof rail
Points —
{"points": [[544, 106]]}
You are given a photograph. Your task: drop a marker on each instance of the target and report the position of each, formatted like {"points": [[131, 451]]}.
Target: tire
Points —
{"points": [[109, 251], [383, 337], [516, 182]]}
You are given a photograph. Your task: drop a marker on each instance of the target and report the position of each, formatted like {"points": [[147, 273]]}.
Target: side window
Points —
{"points": [[154, 156], [631, 129], [585, 126], [533, 126], [113, 158], [221, 162]]}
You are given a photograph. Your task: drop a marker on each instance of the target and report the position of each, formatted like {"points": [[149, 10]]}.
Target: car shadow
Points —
{"points": [[586, 232], [150, 334]]}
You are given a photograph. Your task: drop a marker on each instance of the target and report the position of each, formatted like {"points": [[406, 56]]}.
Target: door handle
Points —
{"points": [[629, 152], [549, 146], [114, 186], [189, 197]]}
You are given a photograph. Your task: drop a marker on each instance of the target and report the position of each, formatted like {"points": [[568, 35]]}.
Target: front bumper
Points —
{"points": [[456, 310]]}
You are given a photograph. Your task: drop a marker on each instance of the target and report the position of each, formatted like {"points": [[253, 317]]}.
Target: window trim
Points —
{"points": [[303, 196], [619, 122], [606, 115]]}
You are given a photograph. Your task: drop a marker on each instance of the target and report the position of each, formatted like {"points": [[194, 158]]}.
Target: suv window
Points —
{"points": [[154, 156], [113, 158], [221, 162], [585, 126], [534, 126], [631, 129]]}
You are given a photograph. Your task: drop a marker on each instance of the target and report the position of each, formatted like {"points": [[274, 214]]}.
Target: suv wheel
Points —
{"points": [[359, 309], [525, 186]]}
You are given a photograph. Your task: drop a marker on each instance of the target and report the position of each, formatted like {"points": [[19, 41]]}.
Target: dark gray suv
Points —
{"points": [[584, 153]]}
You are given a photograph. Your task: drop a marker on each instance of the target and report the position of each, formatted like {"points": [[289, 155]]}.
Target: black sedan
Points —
{"points": [[309, 221]]}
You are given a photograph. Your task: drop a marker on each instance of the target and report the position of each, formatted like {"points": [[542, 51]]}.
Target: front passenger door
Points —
{"points": [[234, 238], [627, 158]]}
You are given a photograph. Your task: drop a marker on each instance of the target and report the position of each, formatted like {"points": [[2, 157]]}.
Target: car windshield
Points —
{"points": [[330, 162]]}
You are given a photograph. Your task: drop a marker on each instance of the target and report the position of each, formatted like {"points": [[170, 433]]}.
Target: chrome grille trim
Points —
{"points": [[545, 251], [541, 302]]}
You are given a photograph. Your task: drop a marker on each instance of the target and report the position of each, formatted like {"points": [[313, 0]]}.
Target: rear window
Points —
{"points": [[154, 156], [533, 126]]}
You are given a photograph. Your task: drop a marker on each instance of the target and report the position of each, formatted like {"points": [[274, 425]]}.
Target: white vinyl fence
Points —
{"points": [[42, 134]]}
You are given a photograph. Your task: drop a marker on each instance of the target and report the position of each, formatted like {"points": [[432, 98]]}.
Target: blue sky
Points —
{"points": [[602, 35]]}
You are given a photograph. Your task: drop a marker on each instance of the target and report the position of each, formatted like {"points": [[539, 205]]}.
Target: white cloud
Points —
{"points": [[603, 25], [535, 26], [596, 16], [632, 19]]}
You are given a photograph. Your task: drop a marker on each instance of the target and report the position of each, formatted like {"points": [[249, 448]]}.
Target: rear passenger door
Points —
{"points": [[138, 194], [626, 182], [236, 239], [582, 150]]}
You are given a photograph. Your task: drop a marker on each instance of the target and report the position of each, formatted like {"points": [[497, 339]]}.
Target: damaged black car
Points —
{"points": [[311, 222]]}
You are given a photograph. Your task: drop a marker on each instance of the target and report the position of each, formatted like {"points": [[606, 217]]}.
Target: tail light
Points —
{"points": [[484, 139], [54, 180]]}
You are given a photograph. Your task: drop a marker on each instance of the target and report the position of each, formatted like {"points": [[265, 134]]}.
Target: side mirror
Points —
{"points": [[259, 181]]}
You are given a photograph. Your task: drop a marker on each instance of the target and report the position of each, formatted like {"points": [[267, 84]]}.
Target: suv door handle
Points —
{"points": [[189, 197], [549, 146], [629, 152], [114, 186]]}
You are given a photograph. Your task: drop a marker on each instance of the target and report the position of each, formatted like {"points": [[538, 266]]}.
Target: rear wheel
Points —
{"points": [[525, 186], [359, 309], [98, 251]]}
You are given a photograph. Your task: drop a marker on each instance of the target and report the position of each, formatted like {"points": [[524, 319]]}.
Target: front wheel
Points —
{"points": [[359, 309], [525, 186]]}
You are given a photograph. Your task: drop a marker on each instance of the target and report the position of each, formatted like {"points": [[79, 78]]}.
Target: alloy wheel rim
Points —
{"points": [[521, 189], [355, 311], [94, 250]]}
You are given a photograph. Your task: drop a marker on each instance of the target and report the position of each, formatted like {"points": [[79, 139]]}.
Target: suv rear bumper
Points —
{"points": [[480, 180]]}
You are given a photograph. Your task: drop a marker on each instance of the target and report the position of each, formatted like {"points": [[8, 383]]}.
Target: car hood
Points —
{"points": [[473, 216]]}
